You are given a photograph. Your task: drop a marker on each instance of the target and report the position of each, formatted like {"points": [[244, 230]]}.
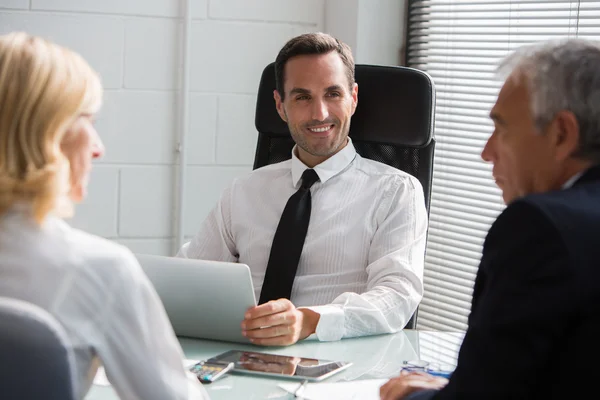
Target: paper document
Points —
{"points": [[354, 390], [101, 380]]}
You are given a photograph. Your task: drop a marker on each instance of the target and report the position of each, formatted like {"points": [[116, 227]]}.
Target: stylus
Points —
{"points": [[300, 389]]}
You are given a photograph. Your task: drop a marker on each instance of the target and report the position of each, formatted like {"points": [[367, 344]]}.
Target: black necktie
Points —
{"points": [[288, 242]]}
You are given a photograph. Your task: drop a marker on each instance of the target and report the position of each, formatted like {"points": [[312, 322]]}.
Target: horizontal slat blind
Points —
{"points": [[459, 43], [440, 348]]}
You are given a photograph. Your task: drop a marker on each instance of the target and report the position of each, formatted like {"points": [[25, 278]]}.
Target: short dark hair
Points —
{"points": [[312, 43]]}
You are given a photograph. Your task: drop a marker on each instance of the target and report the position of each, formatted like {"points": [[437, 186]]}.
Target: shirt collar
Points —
{"points": [[572, 180], [328, 168]]}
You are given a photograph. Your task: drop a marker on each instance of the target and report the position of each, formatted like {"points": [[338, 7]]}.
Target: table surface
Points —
{"points": [[373, 357]]}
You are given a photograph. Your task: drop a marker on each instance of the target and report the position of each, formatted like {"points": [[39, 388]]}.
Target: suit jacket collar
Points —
{"points": [[591, 175]]}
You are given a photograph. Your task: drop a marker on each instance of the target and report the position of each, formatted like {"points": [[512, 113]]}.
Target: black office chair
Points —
{"points": [[393, 123]]}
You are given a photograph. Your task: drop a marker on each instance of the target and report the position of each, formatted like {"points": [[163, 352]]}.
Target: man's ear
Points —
{"points": [[279, 105], [566, 134], [354, 97]]}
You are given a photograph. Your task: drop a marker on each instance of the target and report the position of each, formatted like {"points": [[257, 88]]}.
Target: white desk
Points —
{"points": [[373, 357]]}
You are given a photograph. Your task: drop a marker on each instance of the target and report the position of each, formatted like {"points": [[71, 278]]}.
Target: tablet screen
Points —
{"points": [[252, 362]]}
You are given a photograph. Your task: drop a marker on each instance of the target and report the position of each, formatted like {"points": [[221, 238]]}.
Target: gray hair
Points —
{"points": [[562, 75]]}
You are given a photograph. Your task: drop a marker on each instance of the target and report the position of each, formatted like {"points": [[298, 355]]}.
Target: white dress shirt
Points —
{"points": [[98, 292], [361, 267]]}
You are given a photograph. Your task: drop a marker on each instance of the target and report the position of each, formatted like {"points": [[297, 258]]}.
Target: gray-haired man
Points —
{"points": [[535, 320]]}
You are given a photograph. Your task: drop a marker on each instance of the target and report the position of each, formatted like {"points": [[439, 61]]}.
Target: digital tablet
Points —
{"points": [[274, 365]]}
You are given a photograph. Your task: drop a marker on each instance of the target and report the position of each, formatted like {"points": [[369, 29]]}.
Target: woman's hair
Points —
{"points": [[44, 88]]}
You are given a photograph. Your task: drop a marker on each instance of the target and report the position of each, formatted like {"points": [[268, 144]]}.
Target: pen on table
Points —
{"points": [[300, 389]]}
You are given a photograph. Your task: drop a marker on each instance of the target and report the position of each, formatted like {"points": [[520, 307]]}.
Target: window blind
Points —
{"points": [[459, 43], [440, 347]]}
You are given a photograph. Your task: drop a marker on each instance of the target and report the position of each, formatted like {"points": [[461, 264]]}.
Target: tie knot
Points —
{"points": [[309, 177]]}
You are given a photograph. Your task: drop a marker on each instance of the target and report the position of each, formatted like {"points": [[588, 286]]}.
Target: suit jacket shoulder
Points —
{"points": [[536, 301]]}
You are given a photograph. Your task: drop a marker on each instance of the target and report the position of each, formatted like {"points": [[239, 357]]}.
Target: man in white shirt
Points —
{"points": [[361, 268]]}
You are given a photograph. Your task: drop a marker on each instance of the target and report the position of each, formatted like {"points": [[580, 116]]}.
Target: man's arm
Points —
{"points": [[138, 348], [395, 272], [524, 289], [214, 241]]}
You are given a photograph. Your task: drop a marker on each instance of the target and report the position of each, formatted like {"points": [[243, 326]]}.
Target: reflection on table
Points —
{"points": [[372, 357]]}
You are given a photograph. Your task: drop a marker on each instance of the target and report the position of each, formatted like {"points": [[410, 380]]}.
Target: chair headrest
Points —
{"points": [[395, 106]]}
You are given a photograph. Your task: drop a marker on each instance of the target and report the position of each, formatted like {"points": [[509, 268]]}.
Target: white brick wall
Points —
{"points": [[135, 45]]}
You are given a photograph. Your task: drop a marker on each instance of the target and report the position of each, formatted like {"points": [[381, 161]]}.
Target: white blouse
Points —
{"points": [[97, 290]]}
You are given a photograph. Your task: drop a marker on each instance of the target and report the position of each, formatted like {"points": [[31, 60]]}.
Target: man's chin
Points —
{"points": [[509, 197], [327, 150]]}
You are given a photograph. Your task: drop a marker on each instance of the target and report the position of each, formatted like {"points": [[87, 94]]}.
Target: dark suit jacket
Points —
{"points": [[534, 327]]}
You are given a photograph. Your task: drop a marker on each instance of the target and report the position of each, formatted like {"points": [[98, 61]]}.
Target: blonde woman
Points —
{"points": [[94, 287]]}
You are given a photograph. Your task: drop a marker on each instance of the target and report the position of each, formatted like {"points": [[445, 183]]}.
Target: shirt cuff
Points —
{"points": [[331, 323]]}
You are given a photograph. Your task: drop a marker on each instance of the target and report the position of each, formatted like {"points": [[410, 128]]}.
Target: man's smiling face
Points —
{"points": [[318, 104]]}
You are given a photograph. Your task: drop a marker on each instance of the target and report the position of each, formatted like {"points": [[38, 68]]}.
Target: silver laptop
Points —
{"points": [[203, 299]]}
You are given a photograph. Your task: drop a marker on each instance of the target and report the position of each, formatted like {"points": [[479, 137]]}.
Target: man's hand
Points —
{"points": [[278, 323], [409, 382]]}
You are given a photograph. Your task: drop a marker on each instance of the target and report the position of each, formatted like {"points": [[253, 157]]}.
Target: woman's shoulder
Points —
{"points": [[102, 255]]}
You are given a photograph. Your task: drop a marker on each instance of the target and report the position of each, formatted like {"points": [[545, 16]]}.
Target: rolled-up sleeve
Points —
{"points": [[395, 271]]}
